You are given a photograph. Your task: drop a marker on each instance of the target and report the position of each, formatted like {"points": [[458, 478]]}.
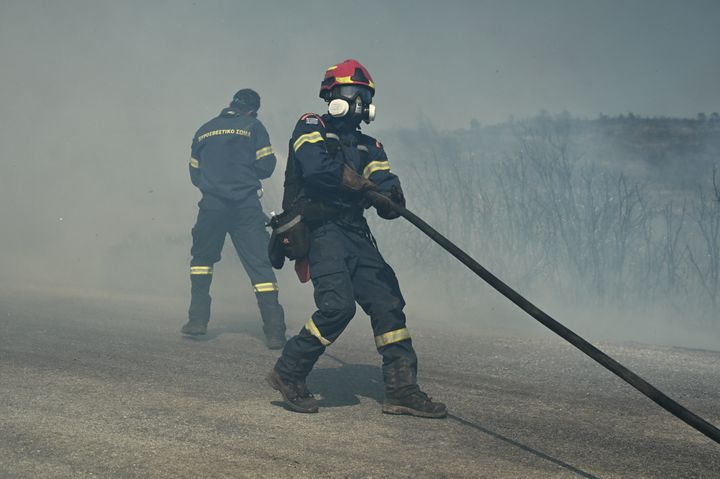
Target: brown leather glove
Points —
{"points": [[352, 181], [382, 205]]}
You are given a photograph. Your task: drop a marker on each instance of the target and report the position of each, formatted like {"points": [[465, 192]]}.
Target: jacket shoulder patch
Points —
{"points": [[312, 119]]}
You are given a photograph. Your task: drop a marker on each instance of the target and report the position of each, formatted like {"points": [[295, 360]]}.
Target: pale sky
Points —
{"points": [[449, 61]]}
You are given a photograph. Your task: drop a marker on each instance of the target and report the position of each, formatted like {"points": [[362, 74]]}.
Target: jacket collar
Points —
{"points": [[229, 111]]}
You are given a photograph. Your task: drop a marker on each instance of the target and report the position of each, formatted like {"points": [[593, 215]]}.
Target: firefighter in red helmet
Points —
{"points": [[331, 164]]}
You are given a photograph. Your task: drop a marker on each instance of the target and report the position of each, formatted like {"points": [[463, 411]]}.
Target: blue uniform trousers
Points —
{"points": [[246, 226], [346, 267]]}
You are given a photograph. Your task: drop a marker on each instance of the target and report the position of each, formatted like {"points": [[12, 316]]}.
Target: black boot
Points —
{"points": [[275, 342], [402, 394], [273, 317], [194, 328], [199, 311], [296, 394], [416, 404]]}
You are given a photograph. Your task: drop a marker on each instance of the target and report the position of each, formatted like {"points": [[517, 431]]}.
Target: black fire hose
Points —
{"points": [[624, 373]]}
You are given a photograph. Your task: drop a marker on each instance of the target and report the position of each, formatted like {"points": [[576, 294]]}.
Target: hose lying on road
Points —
{"points": [[624, 373]]}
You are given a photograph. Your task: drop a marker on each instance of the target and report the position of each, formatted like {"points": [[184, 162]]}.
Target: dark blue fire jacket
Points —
{"points": [[230, 154], [319, 151]]}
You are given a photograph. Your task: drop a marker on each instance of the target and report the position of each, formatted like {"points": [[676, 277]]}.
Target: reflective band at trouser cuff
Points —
{"points": [[374, 166], [313, 137], [312, 329], [263, 152], [194, 163], [201, 270], [392, 337], [265, 287]]}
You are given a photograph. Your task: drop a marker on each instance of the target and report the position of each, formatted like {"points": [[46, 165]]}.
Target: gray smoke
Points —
{"points": [[100, 101]]}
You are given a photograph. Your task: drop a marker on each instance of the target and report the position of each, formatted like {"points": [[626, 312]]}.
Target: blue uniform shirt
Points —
{"points": [[230, 154]]}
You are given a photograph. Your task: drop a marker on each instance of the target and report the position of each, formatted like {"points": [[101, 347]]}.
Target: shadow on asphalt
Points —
{"points": [[246, 328], [342, 386]]}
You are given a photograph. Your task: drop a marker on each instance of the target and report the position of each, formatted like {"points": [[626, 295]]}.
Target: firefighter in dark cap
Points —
{"points": [[331, 164], [230, 155]]}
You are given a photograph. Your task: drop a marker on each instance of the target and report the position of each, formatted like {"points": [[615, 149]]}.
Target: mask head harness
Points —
{"points": [[348, 88]]}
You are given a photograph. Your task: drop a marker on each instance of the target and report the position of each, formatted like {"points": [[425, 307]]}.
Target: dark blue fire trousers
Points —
{"points": [[245, 223], [346, 267]]}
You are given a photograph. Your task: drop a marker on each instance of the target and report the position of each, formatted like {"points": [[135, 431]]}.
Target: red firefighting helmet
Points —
{"points": [[349, 72]]}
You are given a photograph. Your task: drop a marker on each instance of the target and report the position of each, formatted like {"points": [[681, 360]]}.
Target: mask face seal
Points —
{"points": [[353, 102]]}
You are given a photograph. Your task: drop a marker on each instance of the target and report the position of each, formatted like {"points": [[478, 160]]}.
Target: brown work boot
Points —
{"points": [[416, 404], [194, 328], [296, 394]]}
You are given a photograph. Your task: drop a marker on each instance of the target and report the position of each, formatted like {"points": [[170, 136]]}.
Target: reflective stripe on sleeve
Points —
{"points": [[313, 137], [263, 152], [201, 270], [194, 163], [392, 337], [312, 329], [374, 166], [265, 287]]}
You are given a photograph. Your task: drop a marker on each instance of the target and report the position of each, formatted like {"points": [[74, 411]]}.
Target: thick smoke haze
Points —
{"points": [[99, 102]]}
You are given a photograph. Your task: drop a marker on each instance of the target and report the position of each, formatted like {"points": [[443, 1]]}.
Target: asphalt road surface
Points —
{"points": [[107, 387]]}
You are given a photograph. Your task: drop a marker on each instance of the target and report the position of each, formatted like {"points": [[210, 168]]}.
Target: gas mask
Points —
{"points": [[352, 103]]}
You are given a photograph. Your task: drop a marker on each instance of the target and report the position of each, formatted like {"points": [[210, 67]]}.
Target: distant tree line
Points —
{"points": [[701, 118]]}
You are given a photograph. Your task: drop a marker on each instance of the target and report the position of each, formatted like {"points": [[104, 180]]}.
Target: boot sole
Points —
{"points": [[193, 334], [272, 381], [396, 409]]}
